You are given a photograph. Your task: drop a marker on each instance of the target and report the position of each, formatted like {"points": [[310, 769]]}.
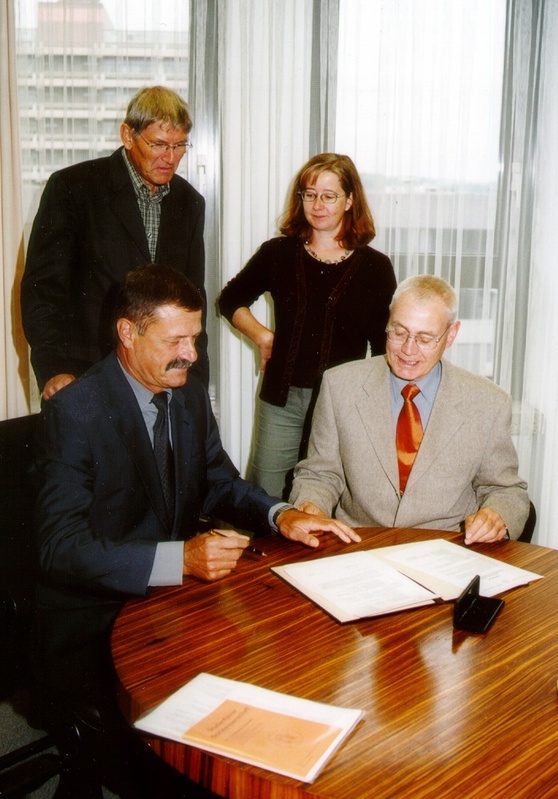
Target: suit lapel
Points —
{"points": [[445, 420], [125, 205], [374, 407], [127, 418]]}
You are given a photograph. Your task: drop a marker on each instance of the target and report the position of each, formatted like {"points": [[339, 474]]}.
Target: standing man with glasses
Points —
{"points": [[97, 221], [408, 439]]}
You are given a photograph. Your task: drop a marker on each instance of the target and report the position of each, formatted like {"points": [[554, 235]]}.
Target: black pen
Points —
{"points": [[249, 548]]}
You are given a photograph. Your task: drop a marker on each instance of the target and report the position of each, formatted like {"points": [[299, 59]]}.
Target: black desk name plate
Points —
{"points": [[473, 612]]}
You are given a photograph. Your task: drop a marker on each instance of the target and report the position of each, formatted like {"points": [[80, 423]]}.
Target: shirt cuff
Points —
{"points": [[168, 564], [274, 512]]}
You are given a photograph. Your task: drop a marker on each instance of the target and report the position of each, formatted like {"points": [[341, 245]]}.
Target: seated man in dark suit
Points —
{"points": [[104, 529], [113, 519]]}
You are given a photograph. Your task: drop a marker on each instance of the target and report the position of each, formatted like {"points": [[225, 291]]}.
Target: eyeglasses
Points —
{"points": [[159, 148], [400, 335], [327, 197]]}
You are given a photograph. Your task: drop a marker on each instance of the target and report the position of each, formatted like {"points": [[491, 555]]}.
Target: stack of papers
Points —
{"points": [[386, 580], [275, 731]]}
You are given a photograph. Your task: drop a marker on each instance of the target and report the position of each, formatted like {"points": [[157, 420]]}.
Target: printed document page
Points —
{"points": [[447, 568], [374, 582], [355, 585], [275, 731]]}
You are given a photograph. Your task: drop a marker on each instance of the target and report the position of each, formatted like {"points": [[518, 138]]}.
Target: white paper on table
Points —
{"points": [[355, 585], [447, 568], [374, 582], [289, 722]]}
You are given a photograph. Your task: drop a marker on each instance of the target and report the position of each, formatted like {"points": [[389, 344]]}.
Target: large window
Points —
{"points": [[79, 63], [419, 90]]}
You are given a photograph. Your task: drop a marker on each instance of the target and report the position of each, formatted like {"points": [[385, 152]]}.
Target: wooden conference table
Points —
{"points": [[448, 713]]}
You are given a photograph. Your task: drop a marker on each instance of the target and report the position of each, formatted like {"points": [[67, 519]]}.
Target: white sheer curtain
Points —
{"points": [[78, 65], [14, 372], [265, 50], [418, 110], [451, 112], [538, 444]]}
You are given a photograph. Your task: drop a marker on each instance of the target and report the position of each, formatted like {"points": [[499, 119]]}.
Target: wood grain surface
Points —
{"points": [[448, 713]]}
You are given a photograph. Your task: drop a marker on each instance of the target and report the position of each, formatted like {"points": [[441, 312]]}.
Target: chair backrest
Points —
{"points": [[529, 528], [18, 562]]}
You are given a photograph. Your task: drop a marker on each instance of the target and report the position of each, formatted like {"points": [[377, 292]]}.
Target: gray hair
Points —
{"points": [[426, 287]]}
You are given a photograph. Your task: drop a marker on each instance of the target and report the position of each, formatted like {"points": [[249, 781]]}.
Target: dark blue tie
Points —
{"points": [[163, 450]]}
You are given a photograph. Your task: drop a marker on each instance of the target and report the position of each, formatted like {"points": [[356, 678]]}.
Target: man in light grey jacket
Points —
{"points": [[464, 475]]}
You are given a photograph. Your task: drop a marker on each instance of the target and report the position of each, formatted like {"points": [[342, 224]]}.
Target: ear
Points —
{"points": [[452, 333], [127, 136], [126, 330], [349, 201]]}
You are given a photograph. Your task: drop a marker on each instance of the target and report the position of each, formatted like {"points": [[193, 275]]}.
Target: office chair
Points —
{"points": [[30, 766], [69, 750], [529, 529]]}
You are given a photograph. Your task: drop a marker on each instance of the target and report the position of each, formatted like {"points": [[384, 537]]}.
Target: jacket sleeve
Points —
{"points": [[79, 502], [319, 478], [249, 284], [497, 484], [45, 287], [382, 278], [228, 496]]}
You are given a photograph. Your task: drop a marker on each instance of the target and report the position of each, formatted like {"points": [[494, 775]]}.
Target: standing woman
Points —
{"points": [[331, 294]]}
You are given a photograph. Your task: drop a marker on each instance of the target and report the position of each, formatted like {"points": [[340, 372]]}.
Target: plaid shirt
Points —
{"points": [[149, 205]]}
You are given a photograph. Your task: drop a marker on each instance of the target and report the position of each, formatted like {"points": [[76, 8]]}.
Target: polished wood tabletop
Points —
{"points": [[447, 713]]}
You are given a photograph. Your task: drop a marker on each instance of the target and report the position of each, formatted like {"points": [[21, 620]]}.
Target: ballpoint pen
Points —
{"points": [[249, 548]]}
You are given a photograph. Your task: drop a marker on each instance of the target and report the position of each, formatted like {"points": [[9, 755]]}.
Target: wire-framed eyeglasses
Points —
{"points": [[424, 341], [327, 197], [160, 148]]}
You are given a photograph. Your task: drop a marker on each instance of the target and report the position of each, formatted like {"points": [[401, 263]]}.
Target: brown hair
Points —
{"points": [[145, 290], [357, 227]]}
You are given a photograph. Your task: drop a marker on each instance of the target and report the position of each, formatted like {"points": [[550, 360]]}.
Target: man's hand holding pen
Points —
{"points": [[250, 548], [214, 554]]}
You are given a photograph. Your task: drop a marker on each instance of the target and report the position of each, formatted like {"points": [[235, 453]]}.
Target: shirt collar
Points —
{"points": [[428, 384], [142, 394]]}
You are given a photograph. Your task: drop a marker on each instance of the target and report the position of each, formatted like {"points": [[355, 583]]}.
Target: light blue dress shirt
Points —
{"points": [[424, 401]]}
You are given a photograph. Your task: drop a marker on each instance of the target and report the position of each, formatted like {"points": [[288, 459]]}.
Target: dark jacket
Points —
{"points": [[356, 314], [101, 511], [88, 232]]}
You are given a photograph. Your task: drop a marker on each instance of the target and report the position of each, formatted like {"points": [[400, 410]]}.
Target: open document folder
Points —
{"points": [[389, 579], [275, 731]]}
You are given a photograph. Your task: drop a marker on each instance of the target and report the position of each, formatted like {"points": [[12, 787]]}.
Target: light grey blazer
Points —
{"points": [[466, 460]]}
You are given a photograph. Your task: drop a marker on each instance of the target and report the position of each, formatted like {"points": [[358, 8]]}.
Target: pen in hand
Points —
{"points": [[249, 548]]}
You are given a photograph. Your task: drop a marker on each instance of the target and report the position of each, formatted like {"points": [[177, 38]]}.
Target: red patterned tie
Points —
{"points": [[408, 434]]}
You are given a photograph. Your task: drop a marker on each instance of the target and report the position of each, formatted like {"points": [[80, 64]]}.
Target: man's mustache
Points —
{"points": [[179, 363]]}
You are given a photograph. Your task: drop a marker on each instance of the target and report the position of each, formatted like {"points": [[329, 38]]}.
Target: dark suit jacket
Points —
{"points": [[88, 232], [101, 509]]}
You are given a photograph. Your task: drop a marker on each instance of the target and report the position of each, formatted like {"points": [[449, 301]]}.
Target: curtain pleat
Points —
{"points": [[15, 392], [264, 101], [538, 420]]}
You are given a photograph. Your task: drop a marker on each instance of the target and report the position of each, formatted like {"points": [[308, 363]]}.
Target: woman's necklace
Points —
{"points": [[324, 260]]}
